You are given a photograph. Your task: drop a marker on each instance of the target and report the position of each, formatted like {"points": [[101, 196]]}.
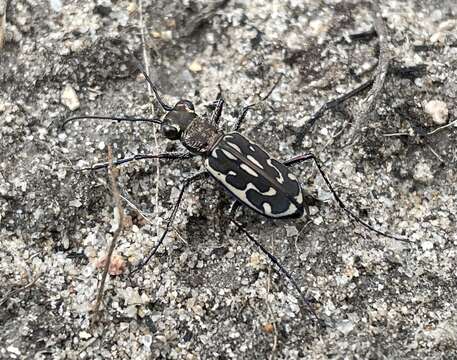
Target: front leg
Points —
{"points": [[245, 110], [167, 156]]}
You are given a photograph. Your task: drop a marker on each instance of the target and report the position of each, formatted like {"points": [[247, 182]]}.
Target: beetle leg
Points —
{"points": [[300, 158], [217, 112], [245, 110], [282, 269], [234, 208], [186, 183], [168, 156]]}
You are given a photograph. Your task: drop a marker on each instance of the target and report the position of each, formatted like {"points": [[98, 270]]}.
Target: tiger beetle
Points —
{"points": [[243, 168]]}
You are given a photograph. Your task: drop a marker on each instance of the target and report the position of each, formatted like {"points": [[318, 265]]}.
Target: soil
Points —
{"points": [[209, 293]]}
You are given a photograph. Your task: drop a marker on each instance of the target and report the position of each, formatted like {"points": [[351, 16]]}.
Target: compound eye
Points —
{"points": [[185, 105], [170, 132]]}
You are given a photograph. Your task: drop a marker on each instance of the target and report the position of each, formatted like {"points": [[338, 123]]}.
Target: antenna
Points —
{"points": [[110, 118], [148, 79]]}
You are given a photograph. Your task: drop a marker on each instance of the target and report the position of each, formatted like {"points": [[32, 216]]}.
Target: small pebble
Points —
{"points": [[13, 350], [268, 328], [84, 335], [69, 98], [166, 35], [345, 326], [438, 110], [146, 340], [75, 203], [132, 7], [423, 173], [291, 231], [117, 265], [256, 261], [56, 5], [427, 245], [195, 67]]}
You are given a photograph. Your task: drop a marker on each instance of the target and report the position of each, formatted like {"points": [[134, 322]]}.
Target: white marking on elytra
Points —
{"points": [[242, 194], [214, 153], [235, 146], [231, 172], [292, 176], [252, 148], [249, 170], [228, 154], [254, 160], [280, 179], [290, 211], [270, 192]]}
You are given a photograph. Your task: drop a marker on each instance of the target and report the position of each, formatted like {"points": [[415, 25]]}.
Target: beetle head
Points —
{"points": [[176, 121]]}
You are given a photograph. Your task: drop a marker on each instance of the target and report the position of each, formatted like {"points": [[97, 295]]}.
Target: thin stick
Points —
{"points": [[436, 154], [150, 90], [2, 23], [16, 291], [368, 105], [443, 127], [117, 233], [452, 123]]}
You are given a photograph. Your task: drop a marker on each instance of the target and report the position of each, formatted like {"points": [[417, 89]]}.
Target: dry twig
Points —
{"points": [[452, 123], [376, 85], [412, 134], [154, 130], [2, 22], [368, 105], [16, 291], [120, 211]]}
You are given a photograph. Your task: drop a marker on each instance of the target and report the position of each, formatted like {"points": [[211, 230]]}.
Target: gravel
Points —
{"points": [[208, 293]]}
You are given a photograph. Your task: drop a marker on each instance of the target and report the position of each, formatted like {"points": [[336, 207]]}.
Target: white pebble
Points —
{"points": [[69, 98], [423, 173], [13, 350], [75, 203], [437, 109], [291, 231], [56, 5], [84, 335], [195, 66], [427, 245], [345, 326]]}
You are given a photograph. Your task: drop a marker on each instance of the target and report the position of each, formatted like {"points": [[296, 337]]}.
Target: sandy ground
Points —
{"points": [[209, 294]]}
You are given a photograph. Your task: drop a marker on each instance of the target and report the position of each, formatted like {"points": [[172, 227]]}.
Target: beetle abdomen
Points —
{"points": [[254, 178]]}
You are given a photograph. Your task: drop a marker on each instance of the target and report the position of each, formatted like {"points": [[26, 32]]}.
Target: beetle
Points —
{"points": [[253, 177]]}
